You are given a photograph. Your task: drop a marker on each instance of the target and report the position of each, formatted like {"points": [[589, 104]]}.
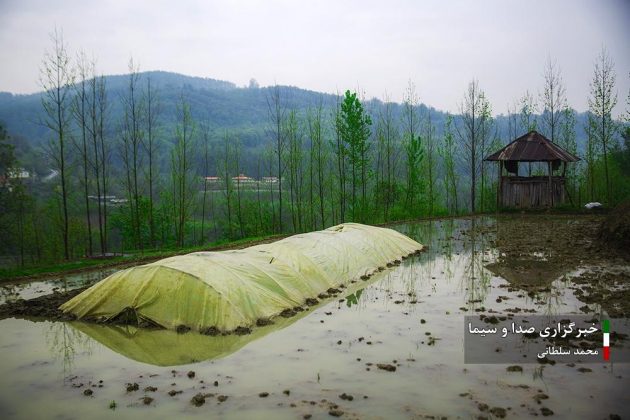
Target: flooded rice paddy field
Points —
{"points": [[391, 347]]}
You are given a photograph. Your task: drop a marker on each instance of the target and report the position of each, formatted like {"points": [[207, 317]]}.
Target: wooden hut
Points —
{"points": [[531, 191]]}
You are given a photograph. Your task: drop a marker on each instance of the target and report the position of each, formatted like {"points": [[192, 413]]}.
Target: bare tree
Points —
{"points": [[340, 153], [276, 112], [601, 103], [318, 157], [387, 138], [80, 111], [429, 137], [96, 110], [132, 138], [152, 110], [206, 144], [553, 99], [413, 143], [470, 133], [448, 151], [528, 110], [184, 135], [57, 78]]}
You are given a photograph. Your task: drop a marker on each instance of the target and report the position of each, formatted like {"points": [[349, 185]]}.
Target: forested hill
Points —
{"points": [[243, 111]]}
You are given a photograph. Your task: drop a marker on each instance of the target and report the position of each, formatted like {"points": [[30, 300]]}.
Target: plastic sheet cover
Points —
{"points": [[229, 289]]}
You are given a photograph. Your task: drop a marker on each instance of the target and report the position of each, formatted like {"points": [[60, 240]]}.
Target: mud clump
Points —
{"points": [[261, 322], [146, 400], [242, 331], [198, 400], [41, 307], [132, 387], [386, 366], [498, 412], [546, 412], [88, 392], [288, 313], [346, 397], [212, 331]]}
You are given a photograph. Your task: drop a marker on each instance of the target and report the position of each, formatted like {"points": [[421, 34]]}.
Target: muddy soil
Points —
{"points": [[539, 249], [46, 307]]}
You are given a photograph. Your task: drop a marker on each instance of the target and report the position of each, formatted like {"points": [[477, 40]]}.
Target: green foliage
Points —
{"points": [[354, 125]]}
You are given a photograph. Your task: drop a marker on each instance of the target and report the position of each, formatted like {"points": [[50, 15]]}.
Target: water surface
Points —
{"points": [[410, 317]]}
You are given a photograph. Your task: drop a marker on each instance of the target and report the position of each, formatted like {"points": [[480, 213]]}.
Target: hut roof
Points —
{"points": [[533, 147]]}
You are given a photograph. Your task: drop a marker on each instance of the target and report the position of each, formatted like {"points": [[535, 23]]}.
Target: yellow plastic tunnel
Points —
{"points": [[229, 289]]}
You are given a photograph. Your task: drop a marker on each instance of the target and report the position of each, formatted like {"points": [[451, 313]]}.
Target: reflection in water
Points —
{"points": [[30, 289], [65, 342], [462, 249], [168, 348], [328, 342]]}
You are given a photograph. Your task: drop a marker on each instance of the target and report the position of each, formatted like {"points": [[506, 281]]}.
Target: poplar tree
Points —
{"points": [[601, 102], [57, 78]]}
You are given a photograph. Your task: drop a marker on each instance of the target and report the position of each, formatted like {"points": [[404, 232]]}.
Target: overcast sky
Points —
{"points": [[334, 45]]}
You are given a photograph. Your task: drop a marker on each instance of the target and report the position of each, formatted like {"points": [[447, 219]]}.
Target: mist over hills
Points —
{"points": [[242, 111]]}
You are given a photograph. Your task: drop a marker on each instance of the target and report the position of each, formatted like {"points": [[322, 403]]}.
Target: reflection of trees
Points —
{"points": [[420, 267], [476, 277], [64, 342]]}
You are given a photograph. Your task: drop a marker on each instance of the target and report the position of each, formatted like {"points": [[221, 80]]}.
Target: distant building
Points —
{"points": [[270, 179], [213, 179], [243, 179], [18, 173]]}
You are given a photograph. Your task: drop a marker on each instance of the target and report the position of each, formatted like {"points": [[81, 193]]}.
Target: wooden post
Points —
{"points": [[500, 183], [550, 186]]}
